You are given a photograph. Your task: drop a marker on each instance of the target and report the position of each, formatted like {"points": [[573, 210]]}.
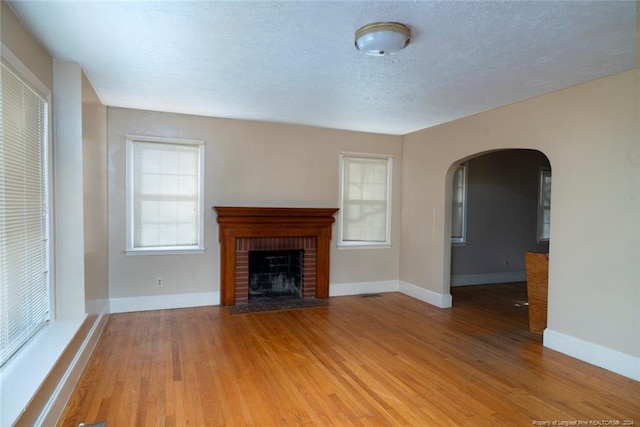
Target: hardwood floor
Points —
{"points": [[377, 360]]}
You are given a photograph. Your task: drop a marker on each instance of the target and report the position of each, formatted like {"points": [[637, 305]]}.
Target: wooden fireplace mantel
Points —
{"points": [[250, 222]]}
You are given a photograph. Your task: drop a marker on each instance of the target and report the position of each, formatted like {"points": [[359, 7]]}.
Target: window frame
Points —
{"points": [[364, 244], [465, 180], [130, 248], [542, 172], [31, 80]]}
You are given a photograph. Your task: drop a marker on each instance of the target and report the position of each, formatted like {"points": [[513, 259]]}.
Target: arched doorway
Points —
{"points": [[500, 209]]}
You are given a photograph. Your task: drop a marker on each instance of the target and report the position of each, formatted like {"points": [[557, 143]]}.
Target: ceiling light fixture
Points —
{"points": [[382, 38]]}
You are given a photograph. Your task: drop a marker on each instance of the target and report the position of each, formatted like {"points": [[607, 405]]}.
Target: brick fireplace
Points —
{"points": [[246, 229]]}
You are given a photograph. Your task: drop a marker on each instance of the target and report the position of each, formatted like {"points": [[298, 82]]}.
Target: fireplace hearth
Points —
{"points": [[244, 230]]}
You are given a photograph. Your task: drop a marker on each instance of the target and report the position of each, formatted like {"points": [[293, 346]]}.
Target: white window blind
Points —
{"points": [[166, 195], [544, 205], [459, 205], [365, 209], [24, 263]]}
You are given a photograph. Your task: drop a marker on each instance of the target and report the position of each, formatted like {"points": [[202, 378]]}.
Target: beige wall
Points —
{"points": [[25, 47], [68, 193], [591, 135], [94, 160], [63, 347], [247, 164], [84, 118]]}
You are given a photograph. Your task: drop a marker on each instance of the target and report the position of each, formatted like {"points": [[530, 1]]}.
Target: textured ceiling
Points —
{"points": [[295, 62]]}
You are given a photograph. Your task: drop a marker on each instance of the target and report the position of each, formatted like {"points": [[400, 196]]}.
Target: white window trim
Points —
{"points": [[342, 244], [22, 69], [462, 240], [130, 250], [33, 80], [25, 372], [541, 173]]}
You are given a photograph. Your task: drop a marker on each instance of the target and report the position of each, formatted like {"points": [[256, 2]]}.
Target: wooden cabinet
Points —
{"points": [[537, 265]]}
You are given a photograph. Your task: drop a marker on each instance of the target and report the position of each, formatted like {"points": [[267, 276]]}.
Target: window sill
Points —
{"points": [[364, 246], [145, 252], [23, 375]]}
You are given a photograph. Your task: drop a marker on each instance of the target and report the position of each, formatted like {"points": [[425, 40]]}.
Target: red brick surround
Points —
{"points": [[242, 229]]}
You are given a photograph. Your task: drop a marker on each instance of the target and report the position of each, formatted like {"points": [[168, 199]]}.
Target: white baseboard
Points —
{"points": [[425, 295], [360, 288], [612, 360], [488, 278], [163, 302], [422, 294], [61, 395]]}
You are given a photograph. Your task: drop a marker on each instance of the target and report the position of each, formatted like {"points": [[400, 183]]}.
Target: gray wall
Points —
{"points": [[502, 203]]}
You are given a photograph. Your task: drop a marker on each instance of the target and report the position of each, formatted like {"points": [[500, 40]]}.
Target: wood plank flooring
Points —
{"points": [[377, 360]]}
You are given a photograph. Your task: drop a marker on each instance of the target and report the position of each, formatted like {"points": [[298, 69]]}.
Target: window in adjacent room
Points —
{"points": [[544, 205], [459, 205], [25, 279], [365, 205], [165, 192]]}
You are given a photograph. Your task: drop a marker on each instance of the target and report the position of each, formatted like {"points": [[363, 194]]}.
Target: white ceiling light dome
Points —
{"points": [[382, 38]]}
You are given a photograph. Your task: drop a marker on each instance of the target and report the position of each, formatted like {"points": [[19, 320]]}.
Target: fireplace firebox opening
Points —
{"points": [[275, 274]]}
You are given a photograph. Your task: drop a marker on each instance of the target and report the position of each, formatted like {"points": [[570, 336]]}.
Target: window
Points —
{"points": [[459, 205], [365, 200], [24, 223], [544, 205], [165, 190]]}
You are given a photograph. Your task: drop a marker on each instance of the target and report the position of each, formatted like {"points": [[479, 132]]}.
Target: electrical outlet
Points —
{"points": [[159, 282]]}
